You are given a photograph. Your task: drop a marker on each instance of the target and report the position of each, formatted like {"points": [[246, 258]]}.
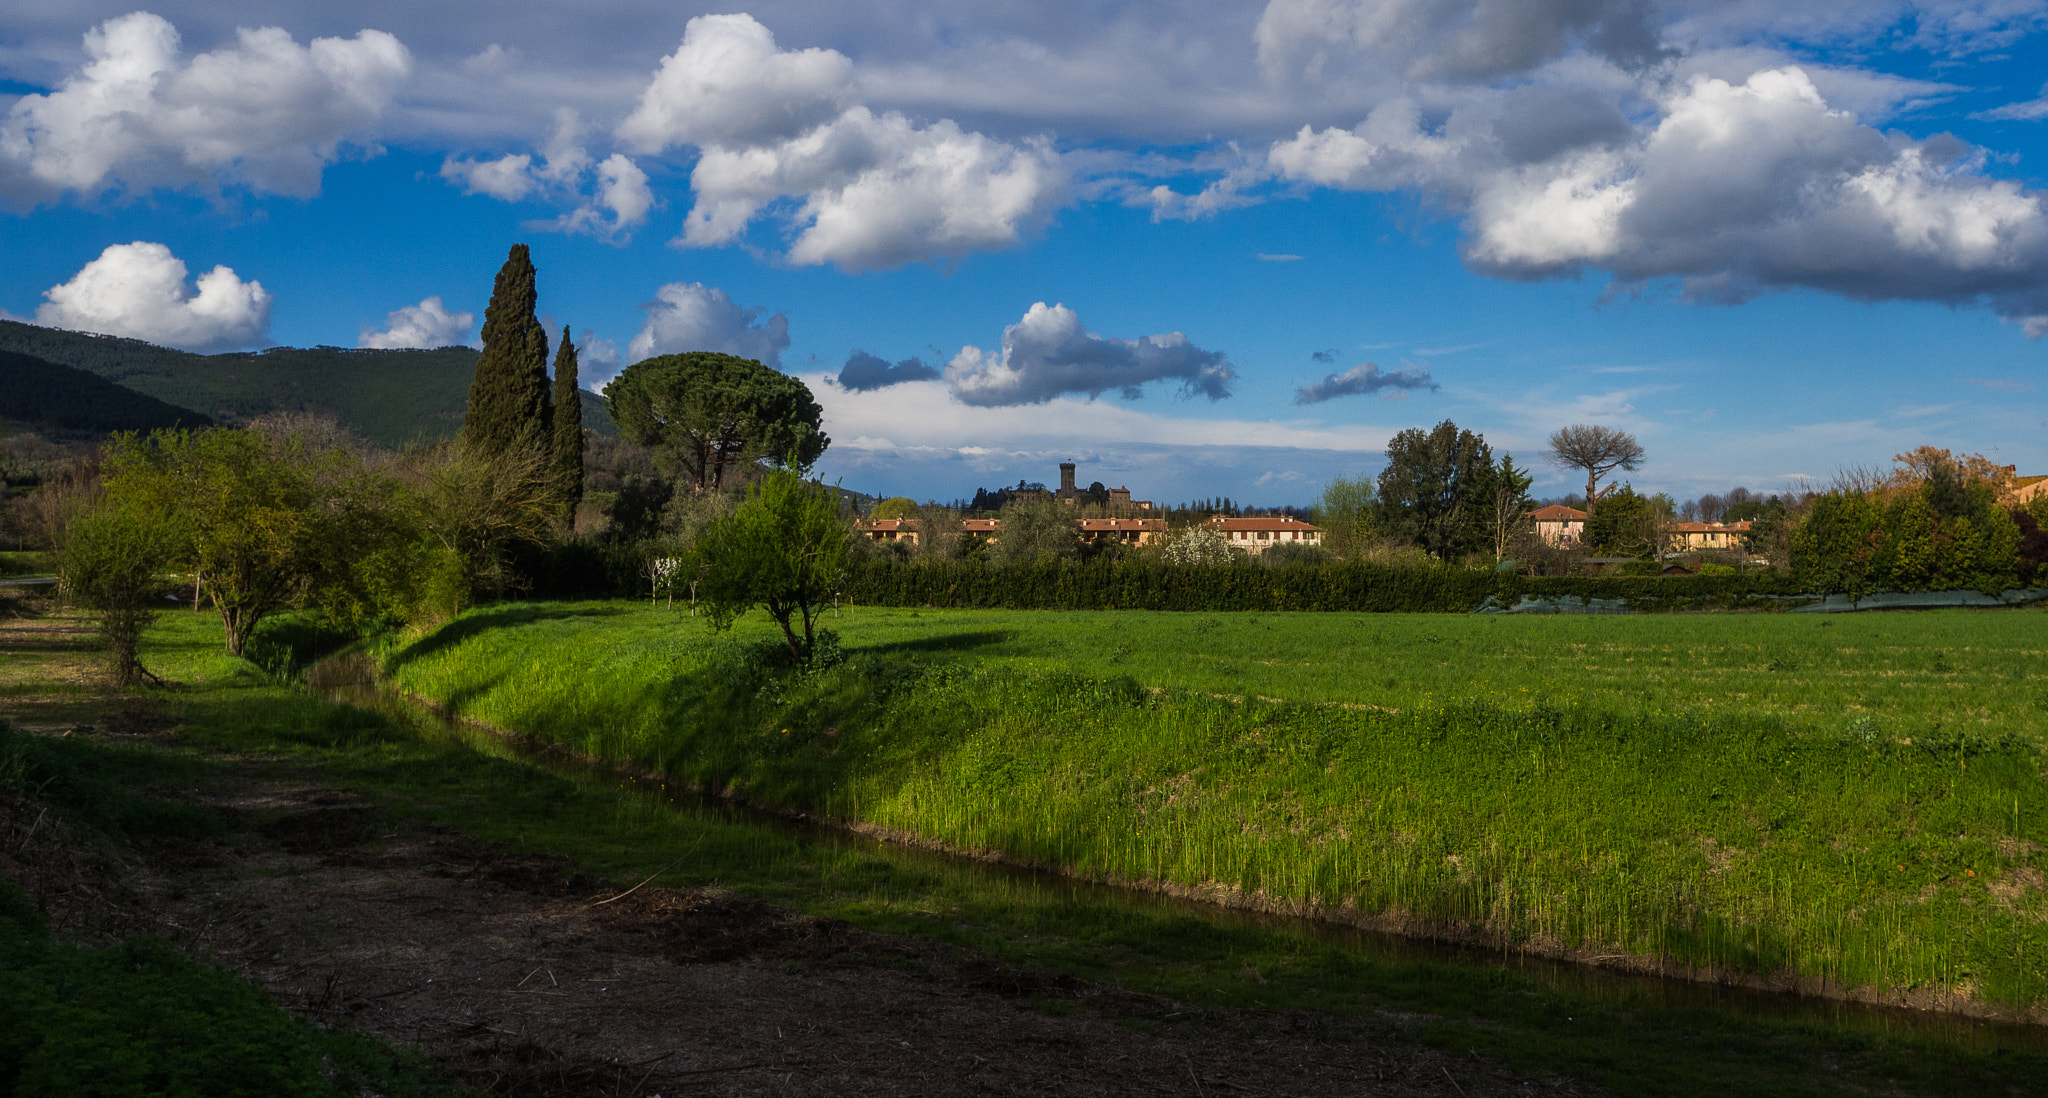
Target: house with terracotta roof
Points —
{"points": [[1558, 524], [903, 530], [1128, 531], [1256, 535], [1694, 537]]}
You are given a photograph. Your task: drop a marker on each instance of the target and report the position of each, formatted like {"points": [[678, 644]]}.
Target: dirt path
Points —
{"points": [[509, 968]]}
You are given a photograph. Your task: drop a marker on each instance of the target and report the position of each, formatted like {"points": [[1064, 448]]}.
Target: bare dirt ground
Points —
{"points": [[529, 978]]}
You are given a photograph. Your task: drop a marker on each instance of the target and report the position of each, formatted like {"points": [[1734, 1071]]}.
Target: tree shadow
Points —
{"points": [[497, 617], [943, 642]]}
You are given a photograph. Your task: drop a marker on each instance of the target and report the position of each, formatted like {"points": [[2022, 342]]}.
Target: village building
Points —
{"points": [[903, 530], [1256, 535], [2023, 491], [1695, 537], [1128, 531], [1558, 525]]}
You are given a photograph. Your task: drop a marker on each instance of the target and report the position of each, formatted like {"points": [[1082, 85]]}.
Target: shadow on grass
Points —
{"points": [[943, 642], [496, 617]]}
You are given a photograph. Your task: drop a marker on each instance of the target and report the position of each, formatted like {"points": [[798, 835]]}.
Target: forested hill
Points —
{"points": [[53, 397], [390, 397]]}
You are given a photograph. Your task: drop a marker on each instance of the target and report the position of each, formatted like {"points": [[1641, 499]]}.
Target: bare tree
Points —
{"points": [[1597, 450]]}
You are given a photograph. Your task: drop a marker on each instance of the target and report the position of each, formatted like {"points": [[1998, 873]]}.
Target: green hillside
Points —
{"points": [[390, 397], [49, 396]]}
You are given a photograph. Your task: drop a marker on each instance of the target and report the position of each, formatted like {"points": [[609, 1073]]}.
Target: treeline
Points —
{"points": [[1934, 523]]}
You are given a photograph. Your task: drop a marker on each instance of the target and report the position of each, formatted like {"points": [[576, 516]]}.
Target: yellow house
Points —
{"points": [[1256, 535]]}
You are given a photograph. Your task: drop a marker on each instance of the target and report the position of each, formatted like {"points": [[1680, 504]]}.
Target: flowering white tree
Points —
{"points": [[1198, 545]]}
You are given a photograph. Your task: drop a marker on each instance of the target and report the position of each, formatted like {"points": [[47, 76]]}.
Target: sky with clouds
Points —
{"points": [[1202, 248]]}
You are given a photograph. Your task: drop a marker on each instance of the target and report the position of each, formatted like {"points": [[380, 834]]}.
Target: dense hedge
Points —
{"points": [[1137, 584], [603, 570]]}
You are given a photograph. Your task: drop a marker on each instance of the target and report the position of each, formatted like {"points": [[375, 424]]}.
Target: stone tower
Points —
{"points": [[1067, 491]]}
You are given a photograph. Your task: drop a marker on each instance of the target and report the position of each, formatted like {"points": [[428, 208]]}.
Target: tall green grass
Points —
{"points": [[1649, 786]]}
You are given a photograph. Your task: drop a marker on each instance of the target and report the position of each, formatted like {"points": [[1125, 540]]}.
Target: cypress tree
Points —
{"points": [[508, 399], [568, 428]]}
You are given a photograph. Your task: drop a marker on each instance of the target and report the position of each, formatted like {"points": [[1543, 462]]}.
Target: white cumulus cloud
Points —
{"points": [[727, 84], [1049, 354], [428, 324], [609, 198], [690, 316], [266, 112], [858, 189], [139, 290], [1733, 189]]}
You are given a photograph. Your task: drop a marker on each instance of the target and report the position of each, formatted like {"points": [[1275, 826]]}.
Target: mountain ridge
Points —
{"points": [[391, 397]]}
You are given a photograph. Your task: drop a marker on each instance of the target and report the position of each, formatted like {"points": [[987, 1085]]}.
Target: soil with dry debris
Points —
{"points": [[527, 977]]}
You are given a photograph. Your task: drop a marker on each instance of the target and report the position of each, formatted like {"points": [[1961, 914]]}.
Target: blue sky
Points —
{"points": [[1202, 248]]}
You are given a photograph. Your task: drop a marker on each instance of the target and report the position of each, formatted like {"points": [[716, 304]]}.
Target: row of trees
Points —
{"points": [[294, 513], [1933, 522]]}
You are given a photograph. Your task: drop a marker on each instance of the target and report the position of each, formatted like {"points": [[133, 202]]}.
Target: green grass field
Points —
{"points": [[1625, 1037], [1854, 800]]}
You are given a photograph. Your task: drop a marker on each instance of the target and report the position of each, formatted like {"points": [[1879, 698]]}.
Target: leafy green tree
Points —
{"points": [[1035, 529], [1508, 506], [568, 431], [895, 507], [250, 509], [1626, 525], [713, 413], [474, 511], [1437, 487], [785, 549], [1833, 549], [112, 559], [1349, 513], [508, 399]]}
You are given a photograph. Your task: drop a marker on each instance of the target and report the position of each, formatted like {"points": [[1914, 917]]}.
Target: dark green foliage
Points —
{"points": [[1943, 534], [1624, 525], [508, 399], [568, 439], [49, 395], [1438, 490], [393, 398], [716, 413], [1137, 583]]}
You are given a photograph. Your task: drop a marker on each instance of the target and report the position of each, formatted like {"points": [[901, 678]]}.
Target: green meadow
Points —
{"points": [[1625, 1037], [1856, 801]]}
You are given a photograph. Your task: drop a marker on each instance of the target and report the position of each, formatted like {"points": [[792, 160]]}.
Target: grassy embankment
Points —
{"points": [[1854, 802], [1629, 1040]]}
